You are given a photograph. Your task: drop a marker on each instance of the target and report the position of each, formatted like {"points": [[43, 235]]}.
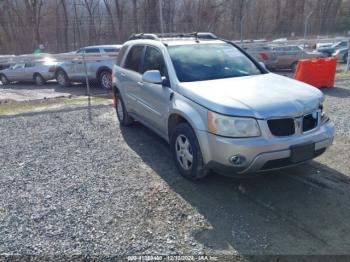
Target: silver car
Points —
{"points": [[217, 108], [341, 55], [99, 64], [38, 72], [263, 54], [288, 56]]}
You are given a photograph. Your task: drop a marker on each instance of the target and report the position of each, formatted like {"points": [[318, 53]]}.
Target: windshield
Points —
{"points": [[210, 61], [338, 44]]}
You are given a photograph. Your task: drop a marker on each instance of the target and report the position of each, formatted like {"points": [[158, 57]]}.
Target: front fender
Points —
{"points": [[192, 112], [196, 116]]}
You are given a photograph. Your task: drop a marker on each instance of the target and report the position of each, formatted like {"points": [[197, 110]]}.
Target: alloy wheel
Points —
{"points": [[106, 80], [184, 152]]}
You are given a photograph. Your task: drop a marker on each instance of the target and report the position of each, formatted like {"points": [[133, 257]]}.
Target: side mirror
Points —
{"points": [[152, 76], [263, 65]]}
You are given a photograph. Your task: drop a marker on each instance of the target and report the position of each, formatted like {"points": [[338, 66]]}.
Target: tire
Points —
{"points": [[62, 79], [39, 80], [4, 80], [187, 153], [105, 80], [294, 66], [124, 118], [345, 58]]}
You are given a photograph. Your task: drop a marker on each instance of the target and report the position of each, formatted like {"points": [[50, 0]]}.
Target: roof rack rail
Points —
{"points": [[196, 35]]}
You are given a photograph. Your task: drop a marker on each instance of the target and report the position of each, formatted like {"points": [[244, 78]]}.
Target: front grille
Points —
{"points": [[282, 127], [309, 122], [279, 163]]}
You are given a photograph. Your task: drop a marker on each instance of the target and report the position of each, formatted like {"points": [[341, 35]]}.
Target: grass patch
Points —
{"points": [[50, 104]]}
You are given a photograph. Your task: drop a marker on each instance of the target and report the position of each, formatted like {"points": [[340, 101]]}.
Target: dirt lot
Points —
{"points": [[73, 186], [21, 92]]}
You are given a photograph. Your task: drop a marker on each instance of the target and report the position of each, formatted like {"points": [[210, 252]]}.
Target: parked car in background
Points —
{"points": [[218, 108], [99, 66], [341, 55], [328, 51], [38, 72], [102, 49], [321, 45], [289, 55], [263, 54]]}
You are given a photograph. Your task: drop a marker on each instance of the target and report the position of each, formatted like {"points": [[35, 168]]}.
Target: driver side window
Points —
{"points": [[18, 66], [154, 61]]}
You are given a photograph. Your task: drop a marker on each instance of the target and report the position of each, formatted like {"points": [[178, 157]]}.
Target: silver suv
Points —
{"points": [[99, 64], [217, 107]]}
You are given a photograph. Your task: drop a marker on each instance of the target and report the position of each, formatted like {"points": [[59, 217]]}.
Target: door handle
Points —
{"points": [[122, 74], [140, 83]]}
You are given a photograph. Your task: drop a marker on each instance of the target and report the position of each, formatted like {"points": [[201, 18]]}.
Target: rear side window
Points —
{"points": [[92, 50], [133, 60], [29, 65], [111, 50], [121, 54], [154, 61]]}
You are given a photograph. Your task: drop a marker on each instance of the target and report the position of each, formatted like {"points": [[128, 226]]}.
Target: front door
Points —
{"points": [[154, 98]]}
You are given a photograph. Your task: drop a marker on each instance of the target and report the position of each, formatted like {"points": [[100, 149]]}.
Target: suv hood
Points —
{"points": [[262, 96]]}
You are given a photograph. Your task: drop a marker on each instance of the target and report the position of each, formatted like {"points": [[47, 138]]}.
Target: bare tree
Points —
{"points": [[66, 24]]}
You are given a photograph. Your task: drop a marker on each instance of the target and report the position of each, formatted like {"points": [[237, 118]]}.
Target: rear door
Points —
{"points": [[129, 78], [91, 64], [284, 56], [154, 98]]}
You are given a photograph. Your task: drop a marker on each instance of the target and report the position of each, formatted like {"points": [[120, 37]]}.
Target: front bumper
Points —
{"points": [[261, 154]]}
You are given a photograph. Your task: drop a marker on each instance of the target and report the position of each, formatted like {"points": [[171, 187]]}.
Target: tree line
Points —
{"points": [[66, 25]]}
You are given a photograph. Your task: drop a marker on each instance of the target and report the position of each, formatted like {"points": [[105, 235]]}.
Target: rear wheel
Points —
{"points": [[105, 80], [124, 118], [39, 80], [4, 80], [62, 78], [187, 153]]}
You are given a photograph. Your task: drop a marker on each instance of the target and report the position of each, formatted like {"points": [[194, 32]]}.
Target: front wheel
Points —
{"points": [[39, 80], [187, 153], [62, 79], [4, 80], [105, 80]]}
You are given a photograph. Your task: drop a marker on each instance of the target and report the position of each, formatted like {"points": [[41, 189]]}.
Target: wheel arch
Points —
{"points": [[185, 113], [37, 73], [102, 69], [59, 68], [4, 75]]}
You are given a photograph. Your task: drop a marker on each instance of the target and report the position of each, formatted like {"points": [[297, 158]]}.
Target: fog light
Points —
{"points": [[237, 160]]}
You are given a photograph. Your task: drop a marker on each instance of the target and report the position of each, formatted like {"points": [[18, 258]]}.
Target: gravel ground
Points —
{"points": [[69, 186]]}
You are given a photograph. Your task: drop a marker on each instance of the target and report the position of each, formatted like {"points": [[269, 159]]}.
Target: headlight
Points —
{"points": [[324, 113], [232, 126]]}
